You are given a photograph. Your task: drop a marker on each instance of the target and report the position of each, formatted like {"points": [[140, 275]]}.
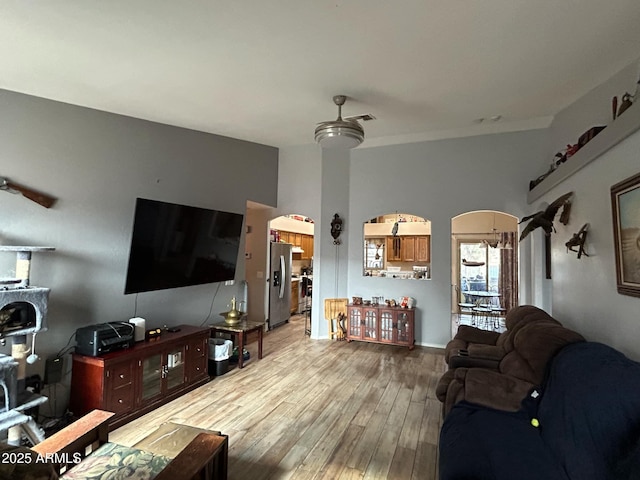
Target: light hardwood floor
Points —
{"points": [[318, 409]]}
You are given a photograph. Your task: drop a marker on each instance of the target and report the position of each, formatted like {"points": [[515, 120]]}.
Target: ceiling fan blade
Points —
{"points": [[364, 117], [41, 198]]}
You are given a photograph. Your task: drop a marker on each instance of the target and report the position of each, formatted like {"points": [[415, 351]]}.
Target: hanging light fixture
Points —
{"points": [[344, 132], [496, 242]]}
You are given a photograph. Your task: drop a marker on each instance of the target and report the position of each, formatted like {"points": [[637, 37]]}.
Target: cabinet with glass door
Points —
{"points": [[136, 380], [162, 373], [381, 324]]}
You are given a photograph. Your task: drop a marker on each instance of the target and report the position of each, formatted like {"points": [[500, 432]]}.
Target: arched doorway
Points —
{"points": [[484, 270], [289, 268]]}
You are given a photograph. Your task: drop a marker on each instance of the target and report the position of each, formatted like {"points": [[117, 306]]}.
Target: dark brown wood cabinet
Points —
{"points": [[381, 324], [137, 380]]}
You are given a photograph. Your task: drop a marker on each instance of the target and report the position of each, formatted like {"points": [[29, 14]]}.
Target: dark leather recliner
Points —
{"points": [[500, 375]]}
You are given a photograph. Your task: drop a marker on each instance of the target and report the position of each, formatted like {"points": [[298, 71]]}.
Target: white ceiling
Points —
{"points": [[265, 71]]}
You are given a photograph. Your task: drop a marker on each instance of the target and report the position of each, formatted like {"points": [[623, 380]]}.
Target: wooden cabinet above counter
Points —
{"points": [[302, 240], [408, 248]]}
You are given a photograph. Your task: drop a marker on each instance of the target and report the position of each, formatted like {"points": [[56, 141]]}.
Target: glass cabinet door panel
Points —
{"points": [[370, 320], [386, 326], [354, 322], [151, 376], [403, 327], [175, 367]]}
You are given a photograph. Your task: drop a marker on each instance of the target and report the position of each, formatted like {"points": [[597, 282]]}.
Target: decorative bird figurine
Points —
{"points": [[544, 218], [577, 240]]}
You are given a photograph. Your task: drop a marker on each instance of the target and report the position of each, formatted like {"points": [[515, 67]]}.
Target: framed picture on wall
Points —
{"points": [[625, 203]]}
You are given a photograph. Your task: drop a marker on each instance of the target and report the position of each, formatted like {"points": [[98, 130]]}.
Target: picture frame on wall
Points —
{"points": [[625, 204]]}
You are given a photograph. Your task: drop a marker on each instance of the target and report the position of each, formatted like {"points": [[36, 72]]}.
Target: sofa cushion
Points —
{"points": [[518, 318], [590, 412], [489, 388], [115, 462], [467, 335], [534, 345], [483, 444]]}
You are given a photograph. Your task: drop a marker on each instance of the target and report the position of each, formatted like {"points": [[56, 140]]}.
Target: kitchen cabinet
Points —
{"points": [[394, 249], [423, 248], [139, 379], [307, 246], [408, 250], [381, 324], [296, 239], [295, 295], [302, 240]]}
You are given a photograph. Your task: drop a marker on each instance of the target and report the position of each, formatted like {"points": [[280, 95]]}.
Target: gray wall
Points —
{"points": [[441, 179], [97, 163], [582, 293], [436, 180]]}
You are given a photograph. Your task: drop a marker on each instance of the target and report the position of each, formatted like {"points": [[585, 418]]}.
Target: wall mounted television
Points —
{"points": [[178, 245]]}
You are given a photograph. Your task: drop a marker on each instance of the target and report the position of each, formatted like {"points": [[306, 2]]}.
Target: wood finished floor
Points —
{"points": [[318, 409]]}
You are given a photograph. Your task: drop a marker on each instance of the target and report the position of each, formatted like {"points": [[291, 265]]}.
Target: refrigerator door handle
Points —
{"points": [[283, 273]]}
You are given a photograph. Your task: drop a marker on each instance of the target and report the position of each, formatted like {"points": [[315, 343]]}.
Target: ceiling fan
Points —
{"points": [[343, 132], [43, 199]]}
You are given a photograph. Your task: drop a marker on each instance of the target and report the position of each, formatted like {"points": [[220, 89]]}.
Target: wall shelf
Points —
{"points": [[614, 133]]}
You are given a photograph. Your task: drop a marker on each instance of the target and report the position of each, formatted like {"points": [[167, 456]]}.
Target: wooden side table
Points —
{"points": [[240, 331]]}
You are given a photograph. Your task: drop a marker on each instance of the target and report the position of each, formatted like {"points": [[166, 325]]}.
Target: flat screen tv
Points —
{"points": [[178, 245]]}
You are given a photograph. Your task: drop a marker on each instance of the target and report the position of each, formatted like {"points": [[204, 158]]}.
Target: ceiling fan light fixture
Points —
{"points": [[339, 134]]}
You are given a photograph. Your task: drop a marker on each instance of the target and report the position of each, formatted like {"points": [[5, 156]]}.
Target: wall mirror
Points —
{"points": [[397, 245]]}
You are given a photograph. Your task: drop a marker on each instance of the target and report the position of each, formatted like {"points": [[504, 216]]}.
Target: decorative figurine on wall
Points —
{"points": [[336, 229], [577, 240], [544, 218]]}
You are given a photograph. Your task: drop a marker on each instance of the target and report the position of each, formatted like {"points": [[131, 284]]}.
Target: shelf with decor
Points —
{"points": [[614, 133]]}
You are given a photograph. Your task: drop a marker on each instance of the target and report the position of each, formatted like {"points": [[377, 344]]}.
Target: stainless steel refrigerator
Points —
{"points": [[279, 284]]}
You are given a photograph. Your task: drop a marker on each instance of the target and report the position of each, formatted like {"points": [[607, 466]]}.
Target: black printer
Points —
{"points": [[103, 338]]}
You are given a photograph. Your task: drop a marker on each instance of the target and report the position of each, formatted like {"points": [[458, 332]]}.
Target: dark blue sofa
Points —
{"points": [[588, 425]]}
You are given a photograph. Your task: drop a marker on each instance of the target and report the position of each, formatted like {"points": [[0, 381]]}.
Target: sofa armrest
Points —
{"points": [[204, 457], [91, 430], [492, 389], [492, 352]]}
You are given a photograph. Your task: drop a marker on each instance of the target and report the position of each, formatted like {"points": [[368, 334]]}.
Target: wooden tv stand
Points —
{"points": [[137, 380]]}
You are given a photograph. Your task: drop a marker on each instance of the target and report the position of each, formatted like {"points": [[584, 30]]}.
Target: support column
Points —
{"points": [[331, 273]]}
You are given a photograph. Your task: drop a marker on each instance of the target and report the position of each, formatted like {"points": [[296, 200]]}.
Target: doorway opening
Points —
{"points": [[484, 272], [290, 270]]}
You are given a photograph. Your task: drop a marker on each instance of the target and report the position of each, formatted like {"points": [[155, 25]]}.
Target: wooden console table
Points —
{"points": [[241, 331], [381, 324]]}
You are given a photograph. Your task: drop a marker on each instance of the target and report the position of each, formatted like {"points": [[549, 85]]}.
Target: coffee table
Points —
{"points": [[240, 331]]}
